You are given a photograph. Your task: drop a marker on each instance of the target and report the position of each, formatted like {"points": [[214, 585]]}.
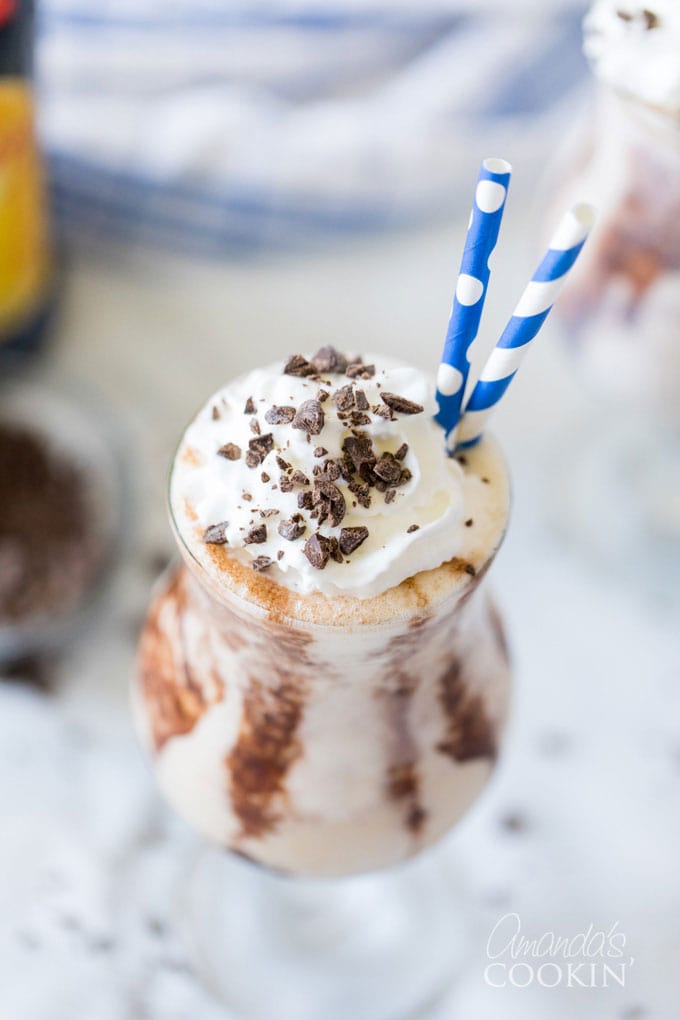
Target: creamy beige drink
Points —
{"points": [[323, 683], [622, 303]]}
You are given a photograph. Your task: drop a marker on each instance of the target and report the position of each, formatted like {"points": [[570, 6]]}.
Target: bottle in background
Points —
{"points": [[25, 264]]}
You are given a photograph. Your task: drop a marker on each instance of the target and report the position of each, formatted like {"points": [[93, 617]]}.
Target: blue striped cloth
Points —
{"points": [[227, 127]]}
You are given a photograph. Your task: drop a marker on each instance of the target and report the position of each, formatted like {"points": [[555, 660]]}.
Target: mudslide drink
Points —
{"points": [[322, 683], [622, 303]]}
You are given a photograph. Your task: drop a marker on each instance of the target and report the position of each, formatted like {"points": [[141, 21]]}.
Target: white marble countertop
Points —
{"points": [[580, 826]]}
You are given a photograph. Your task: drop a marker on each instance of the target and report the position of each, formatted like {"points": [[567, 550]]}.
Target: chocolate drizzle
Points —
{"points": [[174, 700], [403, 778], [470, 734], [266, 749]]}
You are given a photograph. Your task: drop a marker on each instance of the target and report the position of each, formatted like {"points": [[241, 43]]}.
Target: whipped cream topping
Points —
{"points": [[270, 489], [635, 48]]}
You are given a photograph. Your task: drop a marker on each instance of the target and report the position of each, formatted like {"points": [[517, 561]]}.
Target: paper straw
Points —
{"points": [[528, 317], [471, 287]]}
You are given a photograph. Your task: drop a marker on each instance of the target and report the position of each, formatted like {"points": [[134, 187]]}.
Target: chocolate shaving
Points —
{"points": [[317, 551], [216, 413], [362, 493], [358, 370], [360, 451], [327, 511], [283, 464], [328, 501], [411, 528], [358, 418], [252, 459], [334, 550], [285, 483], [261, 563], [346, 467], [326, 489], [292, 529], [230, 450], [265, 477], [309, 417], [270, 512], [469, 569], [650, 19], [256, 535], [383, 411], [322, 396], [352, 538], [402, 451], [255, 426], [260, 446], [246, 495], [279, 415], [400, 404], [344, 398], [327, 359], [299, 478], [298, 366], [320, 451], [388, 468], [249, 407], [390, 495], [469, 522], [279, 554], [360, 400], [216, 534], [52, 543], [304, 500]]}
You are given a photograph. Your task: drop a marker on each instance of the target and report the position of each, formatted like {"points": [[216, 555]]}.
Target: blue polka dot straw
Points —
{"points": [[528, 317], [471, 287]]}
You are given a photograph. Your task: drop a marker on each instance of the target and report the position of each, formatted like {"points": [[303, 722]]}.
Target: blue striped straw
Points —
{"points": [[471, 287], [528, 317]]}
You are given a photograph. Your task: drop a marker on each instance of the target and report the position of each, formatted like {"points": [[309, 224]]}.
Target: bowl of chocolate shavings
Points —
{"points": [[61, 511]]}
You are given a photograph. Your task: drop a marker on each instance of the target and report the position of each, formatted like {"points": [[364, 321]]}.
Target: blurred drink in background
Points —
{"points": [[621, 307], [25, 265], [622, 304]]}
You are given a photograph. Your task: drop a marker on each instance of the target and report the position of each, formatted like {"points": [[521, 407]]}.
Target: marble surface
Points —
{"points": [[581, 824]]}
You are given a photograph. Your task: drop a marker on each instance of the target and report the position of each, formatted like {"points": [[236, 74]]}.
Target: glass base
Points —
{"points": [[383, 946], [618, 499]]}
